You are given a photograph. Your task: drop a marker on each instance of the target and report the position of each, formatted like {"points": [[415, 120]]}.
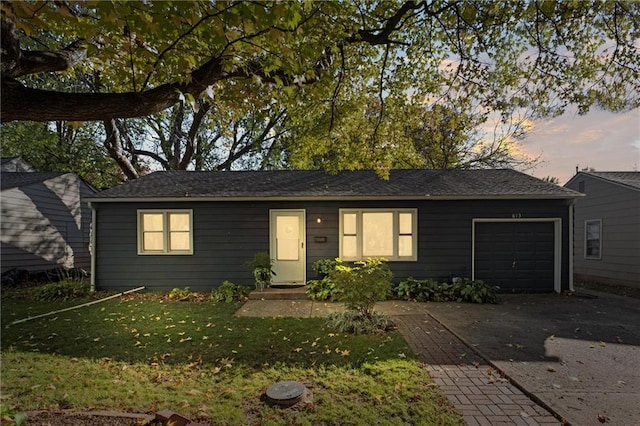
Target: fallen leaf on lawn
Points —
{"points": [[297, 349], [215, 370], [402, 355], [551, 369], [603, 344], [602, 418], [345, 352], [552, 337]]}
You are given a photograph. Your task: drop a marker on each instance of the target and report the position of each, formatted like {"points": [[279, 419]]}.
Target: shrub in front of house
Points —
{"points": [[464, 290], [363, 284], [476, 291], [181, 294], [360, 286], [416, 290], [64, 290], [322, 288], [229, 292]]}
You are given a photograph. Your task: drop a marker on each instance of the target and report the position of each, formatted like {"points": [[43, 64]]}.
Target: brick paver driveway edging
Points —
{"points": [[472, 385], [579, 355]]}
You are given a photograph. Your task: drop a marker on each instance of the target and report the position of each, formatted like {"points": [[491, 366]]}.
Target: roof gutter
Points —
{"points": [[425, 197]]}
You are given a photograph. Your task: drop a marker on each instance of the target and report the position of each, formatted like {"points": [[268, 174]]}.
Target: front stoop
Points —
{"points": [[280, 293]]}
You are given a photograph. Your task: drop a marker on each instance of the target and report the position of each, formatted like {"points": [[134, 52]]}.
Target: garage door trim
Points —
{"points": [[557, 244]]}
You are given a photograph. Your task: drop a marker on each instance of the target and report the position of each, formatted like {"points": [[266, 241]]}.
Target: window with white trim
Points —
{"points": [[165, 232], [370, 233], [593, 239]]}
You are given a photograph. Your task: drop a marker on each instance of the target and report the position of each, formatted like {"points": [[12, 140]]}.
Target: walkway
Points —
{"points": [[482, 395], [473, 386]]}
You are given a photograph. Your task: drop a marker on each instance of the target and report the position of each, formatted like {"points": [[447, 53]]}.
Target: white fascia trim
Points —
{"points": [[328, 198]]}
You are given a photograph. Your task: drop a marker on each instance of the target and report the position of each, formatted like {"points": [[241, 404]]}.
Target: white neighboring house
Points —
{"points": [[43, 223], [607, 227]]}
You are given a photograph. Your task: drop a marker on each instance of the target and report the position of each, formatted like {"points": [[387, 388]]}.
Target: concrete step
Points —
{"points": [[280, 293]]}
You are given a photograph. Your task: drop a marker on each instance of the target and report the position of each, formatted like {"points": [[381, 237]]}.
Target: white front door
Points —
{"points": [[287, 246]]}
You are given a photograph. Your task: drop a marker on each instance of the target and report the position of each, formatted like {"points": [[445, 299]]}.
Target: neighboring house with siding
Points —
{"points": [[43, 224], [607, 227], [197, 229]]}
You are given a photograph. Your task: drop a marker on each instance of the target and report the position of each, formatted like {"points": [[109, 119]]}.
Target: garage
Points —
{"points": [[517, 255]]}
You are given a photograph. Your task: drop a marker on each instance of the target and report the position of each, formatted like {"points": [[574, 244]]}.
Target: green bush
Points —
{"points": [[262, 268], [229, 292], [355, 322], [477, 292], [416, 290], [322, 290], [181, 294], [64, 290], [323, 267], [462, 291], [363, 284]]}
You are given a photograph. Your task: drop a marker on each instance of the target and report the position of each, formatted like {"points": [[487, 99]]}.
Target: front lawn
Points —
{"points": [[142, 354]]}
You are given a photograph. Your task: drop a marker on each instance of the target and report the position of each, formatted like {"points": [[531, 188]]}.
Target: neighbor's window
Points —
{"points": [[165, 232], [593, 239], [391, 234]]}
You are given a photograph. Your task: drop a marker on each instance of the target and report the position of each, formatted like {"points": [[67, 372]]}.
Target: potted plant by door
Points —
{"points": [[262, 267]]}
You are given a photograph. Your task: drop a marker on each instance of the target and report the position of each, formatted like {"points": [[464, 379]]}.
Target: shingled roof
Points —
{"points": [[316, 184], [630, 179], [10, 180]]}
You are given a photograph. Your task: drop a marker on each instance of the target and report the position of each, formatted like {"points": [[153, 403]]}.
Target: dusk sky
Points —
{"points": [[602, 140]]}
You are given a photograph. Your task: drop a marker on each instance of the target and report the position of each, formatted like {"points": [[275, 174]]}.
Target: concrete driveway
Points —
{"points": [[578, 355]]}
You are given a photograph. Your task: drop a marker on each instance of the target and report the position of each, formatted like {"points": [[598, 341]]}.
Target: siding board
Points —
{"points": [[227, 234], [619, 209]]}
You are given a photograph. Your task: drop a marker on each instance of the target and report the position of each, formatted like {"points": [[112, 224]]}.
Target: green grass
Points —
{"points": [[198, 359]]}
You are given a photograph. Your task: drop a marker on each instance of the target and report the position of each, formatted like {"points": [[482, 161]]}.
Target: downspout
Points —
{"points": [[571, 242], [92, 244]]}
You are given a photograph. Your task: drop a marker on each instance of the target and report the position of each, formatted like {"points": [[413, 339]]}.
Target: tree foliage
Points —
{"points": [[60, 147], [345, 71]]}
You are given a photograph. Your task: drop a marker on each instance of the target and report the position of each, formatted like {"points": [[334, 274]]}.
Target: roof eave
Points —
{"points": [[603, 179], [425, 197]]}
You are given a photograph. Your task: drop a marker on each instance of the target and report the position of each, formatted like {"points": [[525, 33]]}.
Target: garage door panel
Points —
{"points": [[517, 256]]}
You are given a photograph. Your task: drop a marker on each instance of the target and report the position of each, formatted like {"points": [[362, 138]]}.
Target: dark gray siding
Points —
{"points": [[619, 209], [227, 234]]}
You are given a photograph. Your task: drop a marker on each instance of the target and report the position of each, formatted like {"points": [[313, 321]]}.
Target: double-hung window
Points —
{"points": [[593, 239], [165, 232], [371, 233]]}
